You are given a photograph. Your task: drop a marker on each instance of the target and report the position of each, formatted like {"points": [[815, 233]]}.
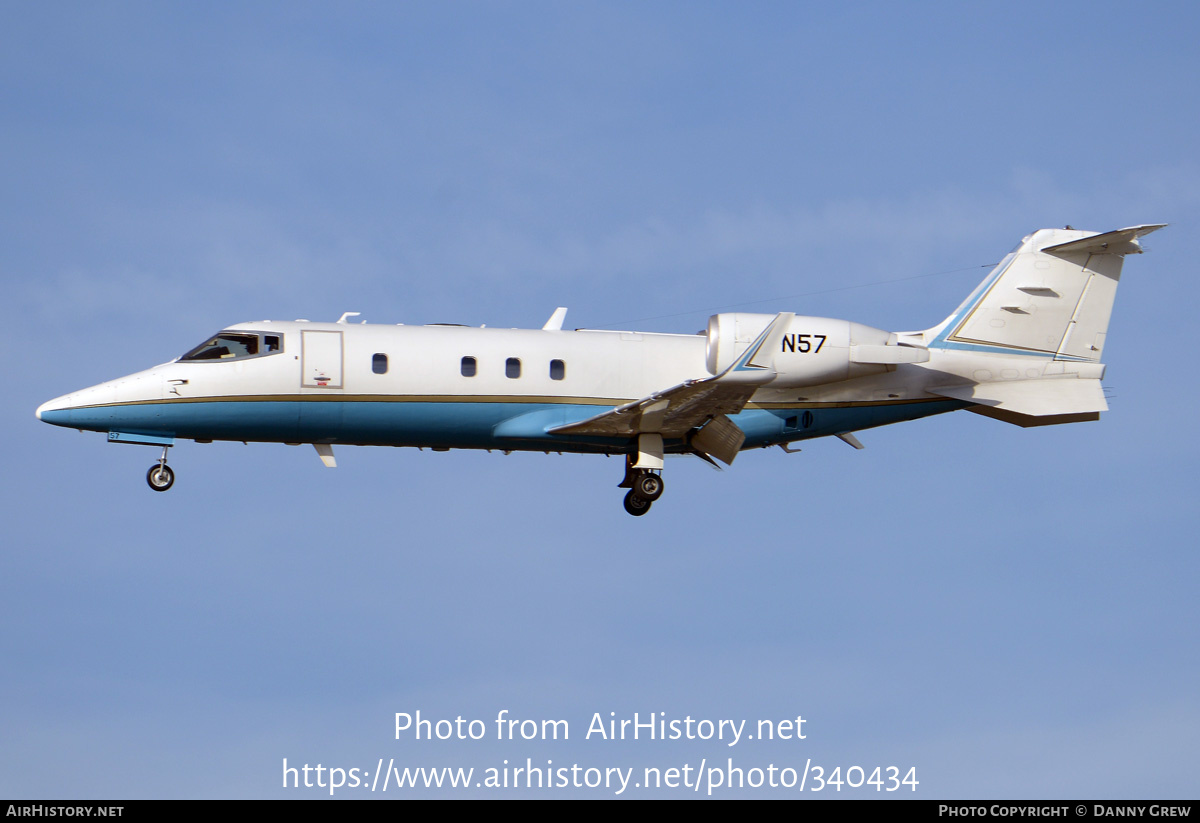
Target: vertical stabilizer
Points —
{"points": [[1051, 297]]}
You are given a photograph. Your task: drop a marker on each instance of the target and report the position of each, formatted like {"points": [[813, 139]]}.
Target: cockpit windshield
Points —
{"points": [[234, 346]]}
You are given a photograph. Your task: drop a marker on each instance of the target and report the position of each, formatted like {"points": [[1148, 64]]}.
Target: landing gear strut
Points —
{"points": [[645, 486], [160, 477]]}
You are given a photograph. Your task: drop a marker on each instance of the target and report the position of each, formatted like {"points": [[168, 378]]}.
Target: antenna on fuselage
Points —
{"points": [[556, 320], [342, 319]]}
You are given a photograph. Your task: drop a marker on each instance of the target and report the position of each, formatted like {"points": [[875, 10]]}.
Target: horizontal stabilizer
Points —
{"points": [[1120, 241], [1026, 421], [1035, 398]]}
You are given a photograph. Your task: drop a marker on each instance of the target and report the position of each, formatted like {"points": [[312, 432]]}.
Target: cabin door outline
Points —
{"points": [[321, 360]]}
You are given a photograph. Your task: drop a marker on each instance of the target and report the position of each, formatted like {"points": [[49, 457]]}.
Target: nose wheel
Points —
{"points": [[160, 477], [644, 487]]}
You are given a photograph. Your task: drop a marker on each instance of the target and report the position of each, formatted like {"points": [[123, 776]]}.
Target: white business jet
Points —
{"points": [[1025, 348]]}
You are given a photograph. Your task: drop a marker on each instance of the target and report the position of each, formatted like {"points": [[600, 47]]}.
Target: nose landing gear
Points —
{"points": [[160, 477]]}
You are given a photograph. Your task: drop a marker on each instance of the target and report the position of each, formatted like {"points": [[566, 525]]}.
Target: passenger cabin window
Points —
{"points": [[512, 367], [226, 346], [558, 370], [379, 363], [468, 367]]}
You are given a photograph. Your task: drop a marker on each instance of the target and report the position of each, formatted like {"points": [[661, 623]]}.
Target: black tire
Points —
{"points": [[160, 478], [648, 486], [636, 505]]}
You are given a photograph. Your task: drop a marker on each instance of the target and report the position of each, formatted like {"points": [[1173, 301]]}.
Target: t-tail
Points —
{"points": [[1044, 310]]}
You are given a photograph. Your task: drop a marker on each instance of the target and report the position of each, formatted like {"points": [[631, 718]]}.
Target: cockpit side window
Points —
{"points": [[231, 346]]}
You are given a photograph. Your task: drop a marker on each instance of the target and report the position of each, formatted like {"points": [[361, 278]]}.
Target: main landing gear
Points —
{"points": [[645, 486], [160, 477]]}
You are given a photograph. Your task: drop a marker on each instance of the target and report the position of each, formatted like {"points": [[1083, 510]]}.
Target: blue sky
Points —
{"points": [[1010, 611]]}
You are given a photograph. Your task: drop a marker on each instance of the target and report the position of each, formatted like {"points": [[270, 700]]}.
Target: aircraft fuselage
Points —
{"points": [[447, 387]]}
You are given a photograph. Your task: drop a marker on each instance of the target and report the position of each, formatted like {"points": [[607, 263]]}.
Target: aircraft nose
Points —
{"points": [[88, 409], [56, 411]]}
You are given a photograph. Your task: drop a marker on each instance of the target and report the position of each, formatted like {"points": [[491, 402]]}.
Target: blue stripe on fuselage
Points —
{"points": [[449, 424]]}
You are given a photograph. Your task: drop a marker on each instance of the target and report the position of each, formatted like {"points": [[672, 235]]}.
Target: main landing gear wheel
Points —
{"points": [[160, 477], [648, 486], [635, 505], [645, 486]]}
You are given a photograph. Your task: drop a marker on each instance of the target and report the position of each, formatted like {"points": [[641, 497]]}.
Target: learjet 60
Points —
{"points": [[1025, 347]]}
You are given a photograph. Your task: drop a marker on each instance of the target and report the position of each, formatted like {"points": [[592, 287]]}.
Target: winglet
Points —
{"points": [[556, 320], [760, 355]]}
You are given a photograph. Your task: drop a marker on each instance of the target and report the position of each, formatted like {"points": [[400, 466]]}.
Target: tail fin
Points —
{"points": [[1051, 297]]}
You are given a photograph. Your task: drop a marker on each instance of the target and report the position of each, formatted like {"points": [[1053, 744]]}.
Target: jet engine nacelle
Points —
{"points": [[814, 350]]}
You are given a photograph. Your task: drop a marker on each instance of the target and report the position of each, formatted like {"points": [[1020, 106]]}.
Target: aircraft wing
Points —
{"points": [[672, 413], [704, 402]]}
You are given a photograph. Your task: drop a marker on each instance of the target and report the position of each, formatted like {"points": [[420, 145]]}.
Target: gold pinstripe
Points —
{"points": [[456, 398]]}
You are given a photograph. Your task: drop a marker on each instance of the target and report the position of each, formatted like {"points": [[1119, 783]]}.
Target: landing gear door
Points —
{"points": [[321, 360]]}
